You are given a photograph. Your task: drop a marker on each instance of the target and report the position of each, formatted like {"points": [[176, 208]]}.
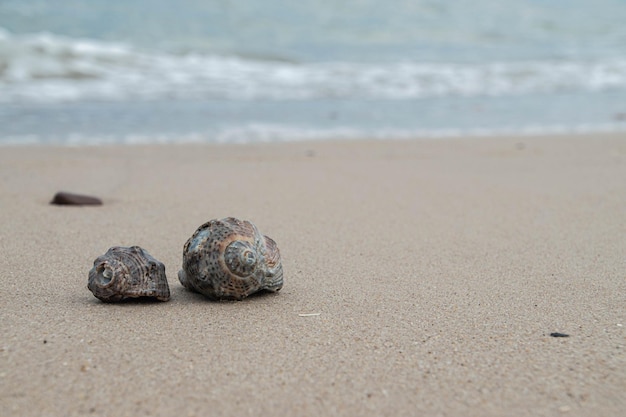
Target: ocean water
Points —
{"points": [[152, 71]]}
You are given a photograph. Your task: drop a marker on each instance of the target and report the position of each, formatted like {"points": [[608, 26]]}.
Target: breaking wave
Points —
{"points": [[45, 67]]}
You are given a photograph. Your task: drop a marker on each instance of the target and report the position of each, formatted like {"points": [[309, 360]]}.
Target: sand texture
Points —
{"points": [[421, 278]]}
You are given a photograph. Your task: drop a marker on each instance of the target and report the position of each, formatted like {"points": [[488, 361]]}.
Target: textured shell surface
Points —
{"points": [[230, 259], [128, 272]]}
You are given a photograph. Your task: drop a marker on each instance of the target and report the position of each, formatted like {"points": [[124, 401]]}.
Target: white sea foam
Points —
{"points": [[45, 67], [260, 133]]}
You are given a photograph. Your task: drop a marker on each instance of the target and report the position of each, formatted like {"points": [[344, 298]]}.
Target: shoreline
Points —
{"points": [[439, 269], [339, 135]]}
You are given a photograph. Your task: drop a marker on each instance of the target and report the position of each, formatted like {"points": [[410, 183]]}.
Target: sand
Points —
{"points": [[422, 277]]}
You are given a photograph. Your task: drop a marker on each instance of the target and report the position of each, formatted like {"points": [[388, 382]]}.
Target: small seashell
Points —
{"points": [[128, 273], [230, 258]]}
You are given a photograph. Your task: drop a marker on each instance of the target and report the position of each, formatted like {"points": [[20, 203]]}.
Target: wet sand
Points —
{"points": [[422, 277]]}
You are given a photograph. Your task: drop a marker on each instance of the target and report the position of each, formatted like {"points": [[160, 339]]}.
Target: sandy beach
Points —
{"points": [[422, 277]]}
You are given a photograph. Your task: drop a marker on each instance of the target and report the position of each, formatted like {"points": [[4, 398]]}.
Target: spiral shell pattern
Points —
{"points": [[128, 272], [230, 259]]}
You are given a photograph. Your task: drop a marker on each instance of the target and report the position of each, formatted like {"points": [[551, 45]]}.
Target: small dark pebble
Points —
{"points": [[69, 199], [559, 335], [45, 341]]}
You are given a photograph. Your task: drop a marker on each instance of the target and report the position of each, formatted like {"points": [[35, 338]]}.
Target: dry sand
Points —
{"points": [[436, 270]]}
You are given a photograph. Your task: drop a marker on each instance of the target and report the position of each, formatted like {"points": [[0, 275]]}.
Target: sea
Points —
{"points": [[93, 72]]}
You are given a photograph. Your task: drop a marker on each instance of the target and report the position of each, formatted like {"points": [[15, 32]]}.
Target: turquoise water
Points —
{"points": [[144, 71]]}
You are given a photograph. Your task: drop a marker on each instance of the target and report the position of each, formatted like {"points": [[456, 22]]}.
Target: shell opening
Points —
{"points": [[105, 275]]}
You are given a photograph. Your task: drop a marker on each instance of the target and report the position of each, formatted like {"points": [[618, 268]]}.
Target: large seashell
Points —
{"points": [[128, 273], [230, 258]]}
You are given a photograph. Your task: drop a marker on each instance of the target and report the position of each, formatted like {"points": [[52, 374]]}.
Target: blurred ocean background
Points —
{"points": [[154, 71]]}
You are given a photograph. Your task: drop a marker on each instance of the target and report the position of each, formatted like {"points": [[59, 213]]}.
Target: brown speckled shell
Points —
{"points": [[131, 272], [230, 259]]}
